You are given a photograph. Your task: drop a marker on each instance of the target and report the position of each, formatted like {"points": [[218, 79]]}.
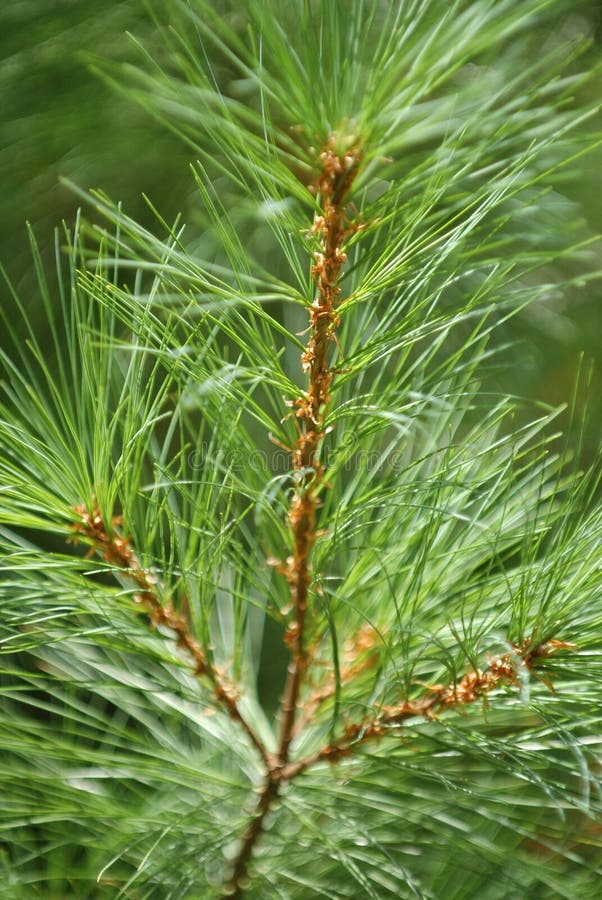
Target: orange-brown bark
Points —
{"points": [[118, 550], [339, 170], [473, 686]]}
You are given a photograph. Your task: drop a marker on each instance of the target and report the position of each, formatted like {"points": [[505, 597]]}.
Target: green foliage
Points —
{"points": [[164, 396]]}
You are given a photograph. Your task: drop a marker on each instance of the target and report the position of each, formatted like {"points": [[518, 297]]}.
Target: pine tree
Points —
{"points": [[293, 605]]}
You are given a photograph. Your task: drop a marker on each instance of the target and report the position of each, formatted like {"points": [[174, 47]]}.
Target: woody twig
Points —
{"points": [[117, 549], [502, 670], [505, 669], [339, 169], [473, 686]]}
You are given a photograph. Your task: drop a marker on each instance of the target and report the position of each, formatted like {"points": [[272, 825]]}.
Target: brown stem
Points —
{"points": [[338, 172], [235, 886], [118, 550], [473, 686]]}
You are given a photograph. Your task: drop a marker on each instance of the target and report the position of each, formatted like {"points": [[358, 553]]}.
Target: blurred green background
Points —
{"points": [[59, 120]]}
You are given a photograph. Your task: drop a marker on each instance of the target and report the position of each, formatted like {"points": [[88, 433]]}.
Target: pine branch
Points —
{"points": [[117, 550], [473, 686], [503, 670], [432, 525], [339, 169]]}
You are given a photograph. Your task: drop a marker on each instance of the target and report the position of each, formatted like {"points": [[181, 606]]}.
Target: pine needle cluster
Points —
{"points": [[292, 606]]}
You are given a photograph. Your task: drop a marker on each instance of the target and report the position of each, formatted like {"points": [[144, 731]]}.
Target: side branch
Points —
{"points": [[473, 686], [117, 550]]}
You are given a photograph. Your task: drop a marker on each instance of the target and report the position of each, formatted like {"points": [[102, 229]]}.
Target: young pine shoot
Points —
{"points": [[294, 605]]}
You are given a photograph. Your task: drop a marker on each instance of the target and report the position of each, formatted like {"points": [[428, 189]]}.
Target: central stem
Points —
{"points": [[338, 172]]}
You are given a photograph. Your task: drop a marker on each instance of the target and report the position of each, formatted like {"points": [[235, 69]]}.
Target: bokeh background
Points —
{"points": [[60, 120]]}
